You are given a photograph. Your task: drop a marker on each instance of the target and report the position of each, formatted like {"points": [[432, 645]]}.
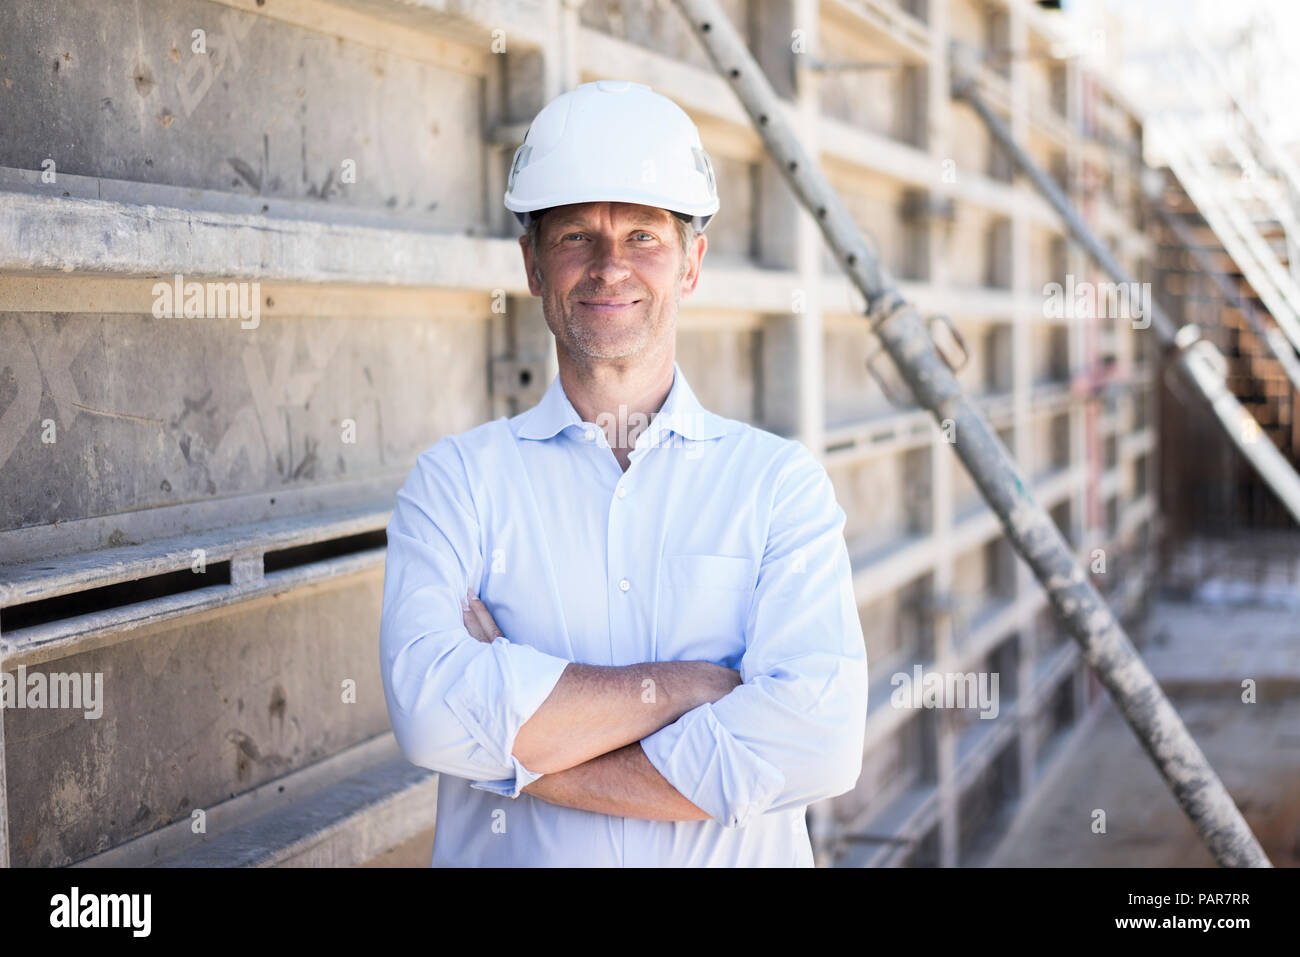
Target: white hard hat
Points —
{"points": [[613, 141]]}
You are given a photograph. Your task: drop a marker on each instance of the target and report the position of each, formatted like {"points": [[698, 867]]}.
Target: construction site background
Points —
{"points": [[345, 162]]}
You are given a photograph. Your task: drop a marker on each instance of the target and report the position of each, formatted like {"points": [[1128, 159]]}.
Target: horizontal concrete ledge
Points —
{"points": [[270, 208], [48, 578], [471, 22], [68, 636], [878, 571], [909, 815], [888, 23], [342, 826], [90, 236], [843, 303], [340, 812], [883, 720], [109, 228], [45, 233], [80, 536], [244, 547], [849, 443]]}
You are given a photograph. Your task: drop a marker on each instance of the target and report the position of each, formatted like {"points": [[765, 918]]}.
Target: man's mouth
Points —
{"points": [[608, 307]]}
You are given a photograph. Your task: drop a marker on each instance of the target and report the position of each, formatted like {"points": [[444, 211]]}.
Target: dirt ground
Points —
{"points": [[1201, 654]]}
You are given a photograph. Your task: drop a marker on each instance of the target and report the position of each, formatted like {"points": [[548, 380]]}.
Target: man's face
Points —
{"points": [[611, 276]]}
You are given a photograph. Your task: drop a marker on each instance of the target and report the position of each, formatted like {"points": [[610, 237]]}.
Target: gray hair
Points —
{"points": [[686, 233]]}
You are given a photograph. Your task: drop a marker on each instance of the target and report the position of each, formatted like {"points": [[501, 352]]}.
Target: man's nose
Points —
{"points": [[608, 258]]}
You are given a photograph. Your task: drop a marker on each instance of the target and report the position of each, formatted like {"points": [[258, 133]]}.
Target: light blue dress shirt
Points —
{"points": [[721, 542]]}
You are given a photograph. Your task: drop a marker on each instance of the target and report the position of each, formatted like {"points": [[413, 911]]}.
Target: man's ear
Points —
{"points": [[530, 265], [693, 263]]}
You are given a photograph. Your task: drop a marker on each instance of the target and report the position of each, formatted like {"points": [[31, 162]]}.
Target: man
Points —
{"points": [[620, 626]]}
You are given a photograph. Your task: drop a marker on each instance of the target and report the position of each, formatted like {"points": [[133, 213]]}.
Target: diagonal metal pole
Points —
{"points": [[1197, 359], [903, 334], [1271, 336]]}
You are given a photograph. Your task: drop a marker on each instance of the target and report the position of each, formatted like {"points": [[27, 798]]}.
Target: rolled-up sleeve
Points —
{"points": [[455, 703], [792, 733]]}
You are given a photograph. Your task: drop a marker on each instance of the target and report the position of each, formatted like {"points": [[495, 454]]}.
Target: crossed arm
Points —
{"points": [[585, 737]]}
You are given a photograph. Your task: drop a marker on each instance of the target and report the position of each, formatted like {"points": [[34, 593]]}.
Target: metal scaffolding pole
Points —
{"points": [[1272, 337], [1030, 530], [1199, 361]]}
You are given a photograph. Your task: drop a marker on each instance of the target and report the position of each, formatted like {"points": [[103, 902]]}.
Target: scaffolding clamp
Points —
{"points": [[884, 307], [943, 345], [1188, 340], [956, 340]]}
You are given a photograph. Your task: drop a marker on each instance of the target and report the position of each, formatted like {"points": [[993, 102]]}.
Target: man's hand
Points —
{"points": [[478, 620], [596, 709], [621, 782]]}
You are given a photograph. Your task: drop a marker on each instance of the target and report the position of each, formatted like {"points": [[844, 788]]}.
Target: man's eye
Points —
{"points": [[644, 233]]}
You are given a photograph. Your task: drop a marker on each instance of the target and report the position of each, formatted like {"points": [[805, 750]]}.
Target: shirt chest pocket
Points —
{"points": [[703, 605]]}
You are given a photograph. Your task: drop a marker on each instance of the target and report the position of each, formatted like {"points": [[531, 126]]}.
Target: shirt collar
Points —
{"points": [[681, 412]]}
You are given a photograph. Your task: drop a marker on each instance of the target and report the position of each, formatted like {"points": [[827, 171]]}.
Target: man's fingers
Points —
{"points": [[478, 620], [472, 623], [485, 621]]}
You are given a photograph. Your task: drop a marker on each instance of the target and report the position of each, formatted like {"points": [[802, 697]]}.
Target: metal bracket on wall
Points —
{"points": [[517, 378]]}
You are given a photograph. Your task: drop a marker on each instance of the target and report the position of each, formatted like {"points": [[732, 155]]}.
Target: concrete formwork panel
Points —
{"points": [[850, 394], [967, 252], [1043, 266], [970, 145], [1040, 81], [658, 26], [896, 628], [987, 363], [730, 233], [194, 713], [107, 414], [127, 97], [966, 497], [720, 366], [870, 99], [970, 578], [876, 205], [883, 500], [968, 22], [1050, 353], [890, 766], [1049, 445]]}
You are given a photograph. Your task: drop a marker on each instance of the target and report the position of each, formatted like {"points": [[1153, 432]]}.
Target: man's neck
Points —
{"points": [[622, 401]]}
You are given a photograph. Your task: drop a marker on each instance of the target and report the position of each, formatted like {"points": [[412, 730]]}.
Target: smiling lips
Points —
{"points": [[608, 307]]}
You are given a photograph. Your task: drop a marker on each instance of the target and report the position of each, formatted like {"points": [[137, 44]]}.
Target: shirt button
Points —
{"points": [[624, 584], [622, 491], [591, 435]]}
